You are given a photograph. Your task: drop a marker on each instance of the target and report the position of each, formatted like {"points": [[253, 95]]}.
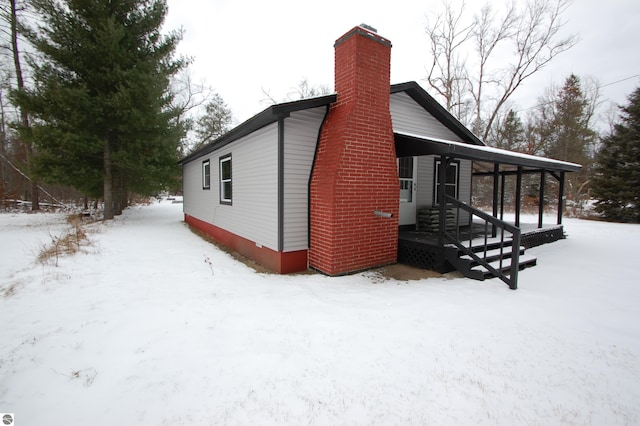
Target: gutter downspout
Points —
{"points": [[281, 183]]}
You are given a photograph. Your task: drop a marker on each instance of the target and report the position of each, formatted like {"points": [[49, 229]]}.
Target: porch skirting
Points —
{"points": [[423, 255], [537, 237]]}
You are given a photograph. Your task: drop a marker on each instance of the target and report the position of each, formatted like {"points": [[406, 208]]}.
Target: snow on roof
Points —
{"points": [[510, 157]]}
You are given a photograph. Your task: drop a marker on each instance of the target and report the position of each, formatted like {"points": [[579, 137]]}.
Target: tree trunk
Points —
{"points": [[24, 118], [108, 182], [35, 195], [119, 193], [3, 148], [124, 200]]}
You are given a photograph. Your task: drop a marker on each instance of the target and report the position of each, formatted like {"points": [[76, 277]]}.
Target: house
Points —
{"points": [[371, 175]]}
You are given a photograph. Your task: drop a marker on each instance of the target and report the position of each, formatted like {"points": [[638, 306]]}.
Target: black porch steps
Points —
{"points": [[495, 253], [482, 272], [490, 255]]}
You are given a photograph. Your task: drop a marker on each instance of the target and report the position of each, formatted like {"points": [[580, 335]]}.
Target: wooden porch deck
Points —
{"points": [[421, 249]]}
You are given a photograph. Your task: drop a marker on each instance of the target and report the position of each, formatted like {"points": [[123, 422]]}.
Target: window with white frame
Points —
{"points": [[225, 180], [405, 172], [451, 183], [206, 174]]}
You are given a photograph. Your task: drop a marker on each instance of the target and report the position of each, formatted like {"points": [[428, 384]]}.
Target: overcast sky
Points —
{"points": [[241, 47]]}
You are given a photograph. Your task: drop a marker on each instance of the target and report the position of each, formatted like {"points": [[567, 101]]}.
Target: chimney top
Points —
{"points": [[368, 27], [363, 30]]}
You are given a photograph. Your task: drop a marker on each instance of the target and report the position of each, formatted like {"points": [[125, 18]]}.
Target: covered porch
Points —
{"points": [[465, 236]]}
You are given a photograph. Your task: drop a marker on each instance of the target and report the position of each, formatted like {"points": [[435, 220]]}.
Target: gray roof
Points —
{"points": [[266, 117], [409, 145], [472, 148]]}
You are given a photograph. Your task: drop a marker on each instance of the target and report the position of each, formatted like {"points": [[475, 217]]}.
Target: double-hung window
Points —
{"points": [[405, 171], [225, 180], [206, 174]]}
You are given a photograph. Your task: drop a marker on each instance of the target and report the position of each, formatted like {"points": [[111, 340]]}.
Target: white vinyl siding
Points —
{"points": [[197, 200], [254, 212], [301, 136], [425, 181], [409, 117]]}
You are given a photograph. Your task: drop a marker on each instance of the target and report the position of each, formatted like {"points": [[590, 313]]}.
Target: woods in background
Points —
{"points": [[95, 104], [100, 112], [480, 59]]}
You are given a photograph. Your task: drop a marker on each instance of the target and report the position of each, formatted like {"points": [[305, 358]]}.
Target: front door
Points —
{"points": [[407, 174]]}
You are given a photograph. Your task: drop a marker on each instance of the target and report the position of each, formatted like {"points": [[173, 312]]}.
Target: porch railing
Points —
{"points": [[505, 237]]}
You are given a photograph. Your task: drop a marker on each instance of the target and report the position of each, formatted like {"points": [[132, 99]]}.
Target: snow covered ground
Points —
{"points": [[149, 324]]}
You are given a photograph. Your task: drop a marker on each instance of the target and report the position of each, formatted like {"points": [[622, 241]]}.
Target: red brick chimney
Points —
{"points": [[354, 186]]}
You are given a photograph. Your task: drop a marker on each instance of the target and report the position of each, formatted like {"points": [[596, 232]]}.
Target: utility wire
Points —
{"points": [[620, 81], [599, 87]]}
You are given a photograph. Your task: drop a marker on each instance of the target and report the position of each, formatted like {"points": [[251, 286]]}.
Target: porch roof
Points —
{"points": [[415, 145]]}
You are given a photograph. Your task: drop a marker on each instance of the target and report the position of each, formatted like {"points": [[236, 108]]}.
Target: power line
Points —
{"points": [[620, 81], [599, 87]]}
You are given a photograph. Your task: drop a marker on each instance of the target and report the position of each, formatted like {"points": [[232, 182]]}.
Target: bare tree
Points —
{"points": [[188, 94], [611, 116], [203, 113], [489, 31], [536, 42], [3, 144], [11, 16], [188, 97], [304, 90], [531, 33], [448, 34]]}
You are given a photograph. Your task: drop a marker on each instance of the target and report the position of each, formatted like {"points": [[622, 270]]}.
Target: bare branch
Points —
{"points": [[531, 33], [448, 34], [536, 45], [268, 99], [305, 90], [487, 35]]}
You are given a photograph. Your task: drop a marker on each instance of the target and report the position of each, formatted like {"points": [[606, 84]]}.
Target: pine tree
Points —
{"points": [[564, 130], [101, 99], [616, 184], [215, 122], [510, 133], [569, 133]]}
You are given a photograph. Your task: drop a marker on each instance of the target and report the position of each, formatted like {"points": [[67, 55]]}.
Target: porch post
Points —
{"points": [[560, 198], [502, 185], [518, 195], [541, 198], [442, 218], [496, 182]]}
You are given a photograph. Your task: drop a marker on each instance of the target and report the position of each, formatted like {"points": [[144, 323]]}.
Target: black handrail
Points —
{"points": [[501, 228]]}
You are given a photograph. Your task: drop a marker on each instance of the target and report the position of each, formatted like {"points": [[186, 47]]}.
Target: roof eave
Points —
{"points": [[269, 115], [424, 99], [414, 145]]}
